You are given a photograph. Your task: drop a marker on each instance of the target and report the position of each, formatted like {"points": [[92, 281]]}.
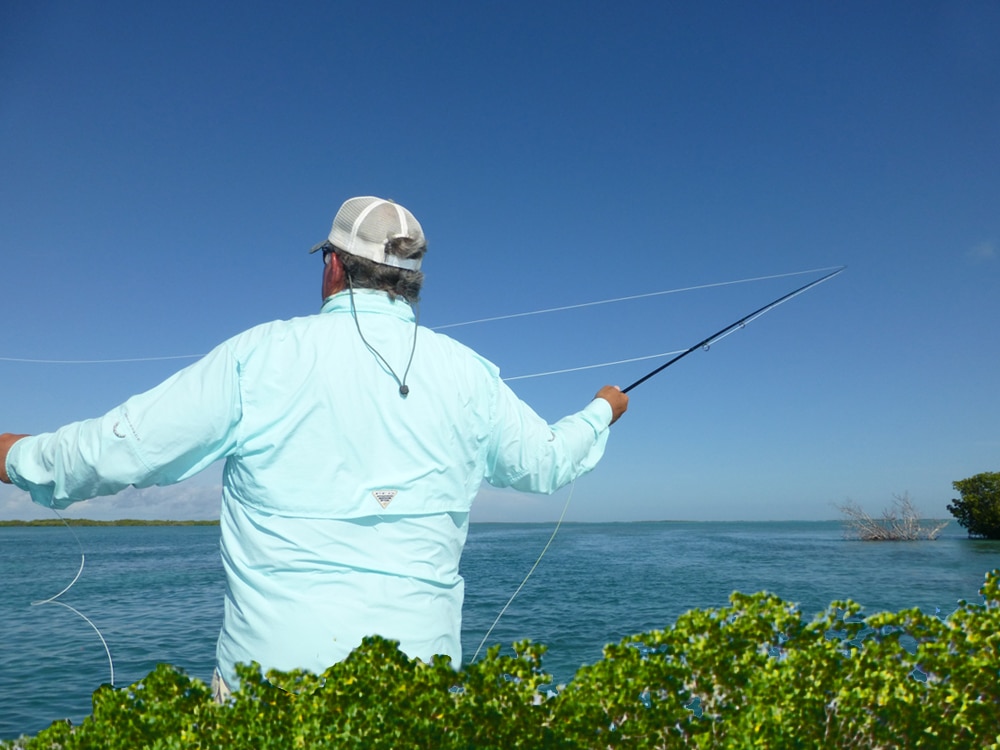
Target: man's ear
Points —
{"points": [[334, 275]]}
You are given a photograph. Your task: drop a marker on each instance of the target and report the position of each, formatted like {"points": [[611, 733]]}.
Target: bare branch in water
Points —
{"points": [[900, 522]]}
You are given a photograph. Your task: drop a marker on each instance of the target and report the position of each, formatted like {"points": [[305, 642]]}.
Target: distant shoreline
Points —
{"points": [[49, 522], [121, 522]]}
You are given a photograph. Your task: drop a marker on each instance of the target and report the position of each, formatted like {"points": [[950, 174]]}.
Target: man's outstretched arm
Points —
{"points": [[531, 456], [162, 436]]}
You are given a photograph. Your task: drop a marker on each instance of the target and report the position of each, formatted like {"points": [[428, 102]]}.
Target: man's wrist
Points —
{"points": [[7, 441]]}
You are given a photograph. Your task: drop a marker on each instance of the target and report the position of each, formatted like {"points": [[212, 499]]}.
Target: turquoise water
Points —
{"points": [[156, 592]]}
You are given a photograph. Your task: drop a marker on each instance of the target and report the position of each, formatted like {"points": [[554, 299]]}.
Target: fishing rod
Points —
{"points": [[719, 335]]}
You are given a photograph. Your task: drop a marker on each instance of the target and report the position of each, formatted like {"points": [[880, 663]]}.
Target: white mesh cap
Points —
{"points": [[364, 225]]}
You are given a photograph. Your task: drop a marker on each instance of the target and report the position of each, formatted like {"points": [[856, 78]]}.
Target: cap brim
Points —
{"points": [[321, 246]]}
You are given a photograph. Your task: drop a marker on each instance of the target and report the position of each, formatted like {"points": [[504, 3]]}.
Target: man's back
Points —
{"points": [[345, 505]]}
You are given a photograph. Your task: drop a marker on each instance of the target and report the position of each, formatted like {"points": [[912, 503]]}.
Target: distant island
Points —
{"points": [[121, 522]]}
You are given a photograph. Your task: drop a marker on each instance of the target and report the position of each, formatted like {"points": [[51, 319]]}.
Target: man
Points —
{"points": [[354, 442]]}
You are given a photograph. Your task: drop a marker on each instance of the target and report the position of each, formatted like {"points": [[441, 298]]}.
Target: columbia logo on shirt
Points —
{"points": [[385, 497]]}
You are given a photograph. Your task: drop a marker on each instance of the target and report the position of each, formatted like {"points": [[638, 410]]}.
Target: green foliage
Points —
{"points": [[978, 510], [751, 675]]}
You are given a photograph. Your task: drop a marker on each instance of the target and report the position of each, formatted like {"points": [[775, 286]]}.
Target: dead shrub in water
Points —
{"points": [[898, 523]]}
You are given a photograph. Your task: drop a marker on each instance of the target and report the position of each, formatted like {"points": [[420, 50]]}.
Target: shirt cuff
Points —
{"points": [[12, 475], [598, 414]]}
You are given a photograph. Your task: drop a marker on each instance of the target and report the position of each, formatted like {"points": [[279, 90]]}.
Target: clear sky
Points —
{"points": [[167, 166]]}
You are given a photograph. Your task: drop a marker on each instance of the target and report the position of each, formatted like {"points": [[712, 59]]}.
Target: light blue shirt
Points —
{"points": [[345, 506]]}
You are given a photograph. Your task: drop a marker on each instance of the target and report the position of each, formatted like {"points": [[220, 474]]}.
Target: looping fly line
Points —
{"points": [[495, 318], [632, 297], [55, 599]]}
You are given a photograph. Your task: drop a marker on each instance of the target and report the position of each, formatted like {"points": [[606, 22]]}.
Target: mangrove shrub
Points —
{"points": [[753, 674], [978, 510]]}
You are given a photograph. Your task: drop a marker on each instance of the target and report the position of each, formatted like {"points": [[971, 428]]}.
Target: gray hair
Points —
{"points": [[367, 274]]}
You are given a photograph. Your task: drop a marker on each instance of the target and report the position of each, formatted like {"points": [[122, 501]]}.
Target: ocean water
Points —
{"points": [[155, 593]]}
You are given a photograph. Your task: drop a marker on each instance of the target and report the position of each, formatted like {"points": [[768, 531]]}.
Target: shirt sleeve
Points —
{"points": [[531, 456], [162, 436]]}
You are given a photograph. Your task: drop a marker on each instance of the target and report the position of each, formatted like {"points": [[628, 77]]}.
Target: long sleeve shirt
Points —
{"points": [[345, 505]]}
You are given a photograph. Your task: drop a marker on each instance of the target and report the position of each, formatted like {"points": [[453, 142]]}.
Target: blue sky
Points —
{"points": [[167, 167]]}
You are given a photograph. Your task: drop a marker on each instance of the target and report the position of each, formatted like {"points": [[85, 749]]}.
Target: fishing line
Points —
{"points": [[729, 330], [518, 590], [733, 327], [97, 361], [594, 367], [54, 599], [27, 360], [630, 297]]}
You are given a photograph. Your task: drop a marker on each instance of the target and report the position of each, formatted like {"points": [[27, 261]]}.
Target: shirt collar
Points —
{"points": [[368, 301]]}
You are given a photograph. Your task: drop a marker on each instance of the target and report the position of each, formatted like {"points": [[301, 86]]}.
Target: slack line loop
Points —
{"points": [[732, 327], [53, 599]]}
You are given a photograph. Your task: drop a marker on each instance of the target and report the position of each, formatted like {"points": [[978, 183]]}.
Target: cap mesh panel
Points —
{"points": [[377, 226]]}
